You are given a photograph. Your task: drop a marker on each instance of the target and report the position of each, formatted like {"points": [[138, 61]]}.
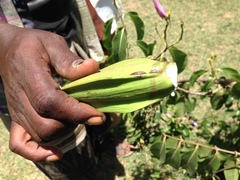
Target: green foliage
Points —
{"points": [[139, 25], [206, 148], [147, 49], [179, 57], [196, 157], [195, 76]]}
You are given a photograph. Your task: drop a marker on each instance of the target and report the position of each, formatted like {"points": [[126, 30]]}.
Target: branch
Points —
{"points": [[187, 80], [203, 145], [227, 168], [228, 83], [197, 92]]}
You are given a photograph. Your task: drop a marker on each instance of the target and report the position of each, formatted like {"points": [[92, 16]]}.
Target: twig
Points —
{"points": [[210, 147], [197, 92], [227, 168], [187, 80]]}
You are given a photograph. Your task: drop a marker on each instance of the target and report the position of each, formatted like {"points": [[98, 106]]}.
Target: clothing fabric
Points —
{"points": [[9, 14], [49, 15], [107, 10], [76, 164]]}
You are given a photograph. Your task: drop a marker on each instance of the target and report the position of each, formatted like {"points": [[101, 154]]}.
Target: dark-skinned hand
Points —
{"points": [[39, 110]]}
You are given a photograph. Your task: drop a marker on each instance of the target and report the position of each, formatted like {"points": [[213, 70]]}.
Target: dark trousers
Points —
{"points": [[78, 163]]}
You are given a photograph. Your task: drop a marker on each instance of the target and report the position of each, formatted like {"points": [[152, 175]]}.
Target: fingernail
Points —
{"points": [[52, 158], [95, 121], [77, 62]]}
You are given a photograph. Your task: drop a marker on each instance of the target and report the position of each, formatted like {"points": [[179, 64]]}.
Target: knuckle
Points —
{"points": [[13, 146], [59, 38], [49, 130], [56, 39], [45, 103]]}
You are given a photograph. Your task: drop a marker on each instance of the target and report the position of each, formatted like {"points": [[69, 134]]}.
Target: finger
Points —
{"points": [[47, 100], [76, 68], [45, 96], [22, 144], [69, 65]]}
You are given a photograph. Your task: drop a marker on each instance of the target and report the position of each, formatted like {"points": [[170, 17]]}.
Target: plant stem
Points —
{"points": [[181, 35], [165, 38], [198, 93], [198, 144]]}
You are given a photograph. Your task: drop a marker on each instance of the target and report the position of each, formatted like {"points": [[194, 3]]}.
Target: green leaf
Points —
{"points": [[204, 152], [143, 46], [151, 47], [236, 90], [157, 115], [107, 40], [217, 100], [155, 149], [163, 151], [231, 173], [179, 108], [190, 104], [232, 73], [223, 156], [163, 105], [214, 163], [210, 165], [120, 45], [195, 76], [158, 150], [179, 57], [229, 101], [139, 25], [190, 161], [110, 59], [174, 158], [171, 143], [207, 86]]}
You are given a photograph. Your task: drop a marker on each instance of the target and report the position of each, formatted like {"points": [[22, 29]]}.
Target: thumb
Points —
{"points": [[69, 65], [22, 144]]}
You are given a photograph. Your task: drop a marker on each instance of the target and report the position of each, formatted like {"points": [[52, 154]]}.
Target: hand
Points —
{"points": [[40, 111]]}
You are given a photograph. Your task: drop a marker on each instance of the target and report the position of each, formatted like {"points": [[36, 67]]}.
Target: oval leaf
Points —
{"points": [[236, 90], [155, 149], [190, 104], [190, 161], [159, 151], [179, 108], [107, 40], [179, 57], [151, 47], [171, 143], [143, 46], [175, 158], [195, 76], [207, 86], [214, 163], [119, 45], [231, 172], [218, 100], [232, 73], [139, 25]]}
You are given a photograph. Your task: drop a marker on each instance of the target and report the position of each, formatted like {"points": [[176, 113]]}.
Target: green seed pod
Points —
{"points": [[125, 86]]}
